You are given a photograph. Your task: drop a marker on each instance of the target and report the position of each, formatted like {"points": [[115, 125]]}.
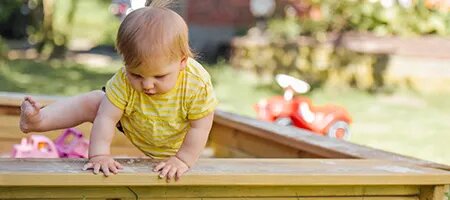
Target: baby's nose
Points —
{"points": [[148, 84]]}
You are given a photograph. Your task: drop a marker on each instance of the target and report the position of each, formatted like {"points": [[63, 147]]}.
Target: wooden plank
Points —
{"points": [[180, 192], [66, 193], [248, 144], [271, 191], [324, 198], [256, 146], [287, 172], [224, 151], [306, 141], [9, 110], [294, 138], [436, 192], [266, 198]]}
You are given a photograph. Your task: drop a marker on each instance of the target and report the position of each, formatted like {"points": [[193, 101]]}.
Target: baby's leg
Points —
{"points": [[64, 113]]}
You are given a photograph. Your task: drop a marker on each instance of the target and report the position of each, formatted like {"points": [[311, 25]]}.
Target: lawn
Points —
{"points": [[54, 77], [405, 122]]}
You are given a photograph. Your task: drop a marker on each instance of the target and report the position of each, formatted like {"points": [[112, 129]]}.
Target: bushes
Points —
{"points": [[315, 62], [387, 17], [307, 42]]}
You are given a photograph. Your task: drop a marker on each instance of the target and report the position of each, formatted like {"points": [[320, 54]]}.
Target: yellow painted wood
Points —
{"points": [[180, 192], [273, 172], [250, 144], [435, 192], [322, 198], [267, 191], [234, 143], [295, 198], [224, 151], [66, 193], [225, 179], [171, 198]]}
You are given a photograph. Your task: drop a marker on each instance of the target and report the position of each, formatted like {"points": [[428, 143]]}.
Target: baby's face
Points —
{"points": [[155, 79]]}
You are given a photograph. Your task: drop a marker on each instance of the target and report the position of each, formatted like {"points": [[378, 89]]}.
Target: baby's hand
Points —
{"points": [[104, 162], [171, 168]]}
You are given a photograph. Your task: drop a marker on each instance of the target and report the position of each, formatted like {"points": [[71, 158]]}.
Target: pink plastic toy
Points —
{"points": [[35, 146], [75, 147]]}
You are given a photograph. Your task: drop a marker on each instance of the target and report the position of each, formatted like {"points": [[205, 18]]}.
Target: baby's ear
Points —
{"points": [[183, 63]]}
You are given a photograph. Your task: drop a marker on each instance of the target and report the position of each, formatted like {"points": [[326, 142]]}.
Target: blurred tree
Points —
{"points": [[34, 20], [49, 40], [15, 17]]}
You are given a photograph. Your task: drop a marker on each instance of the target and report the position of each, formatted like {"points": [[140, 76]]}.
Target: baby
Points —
{"points": [[162, 99]]}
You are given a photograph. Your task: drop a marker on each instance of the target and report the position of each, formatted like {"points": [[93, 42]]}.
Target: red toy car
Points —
{"points": [[329, 120]]}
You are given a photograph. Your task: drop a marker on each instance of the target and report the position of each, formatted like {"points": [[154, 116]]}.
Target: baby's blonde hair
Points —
{"points": [[153, 34], [158, 3]]}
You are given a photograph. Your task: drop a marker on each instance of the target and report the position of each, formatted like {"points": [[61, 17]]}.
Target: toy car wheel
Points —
{"points": [[284, 121], [339, 130]]}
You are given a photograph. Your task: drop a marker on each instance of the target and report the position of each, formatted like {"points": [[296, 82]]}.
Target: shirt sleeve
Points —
{"points": [[203, 102], [118, 90]]}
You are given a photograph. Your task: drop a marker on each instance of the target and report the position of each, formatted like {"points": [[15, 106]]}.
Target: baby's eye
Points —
{"points": [[160, 77], [136, 75]]}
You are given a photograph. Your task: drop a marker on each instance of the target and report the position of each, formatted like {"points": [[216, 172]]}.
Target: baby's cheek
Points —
{"points": [[167, 87], [135, 85]]}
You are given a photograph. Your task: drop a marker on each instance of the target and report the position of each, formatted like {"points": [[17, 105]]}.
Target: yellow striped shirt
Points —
{"points": [[157, 124]]}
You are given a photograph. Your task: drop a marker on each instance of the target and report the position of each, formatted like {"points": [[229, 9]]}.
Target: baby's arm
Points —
{"points": [[101, 136], [195, 139], [190, 150]]}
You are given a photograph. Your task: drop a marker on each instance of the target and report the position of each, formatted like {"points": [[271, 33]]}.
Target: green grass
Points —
{"points": [[55, 77], [405, 122]]}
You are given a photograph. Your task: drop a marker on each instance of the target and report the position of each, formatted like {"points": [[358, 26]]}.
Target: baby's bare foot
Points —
{"points": [[29, 115]]}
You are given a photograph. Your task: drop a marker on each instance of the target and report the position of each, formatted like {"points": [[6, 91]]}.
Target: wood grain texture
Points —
{"points": [[273, 172], [208, 191], [265, 191], [435, 192], [66, 193]]}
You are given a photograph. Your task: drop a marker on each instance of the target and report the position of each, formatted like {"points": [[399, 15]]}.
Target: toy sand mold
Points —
{"points": [[341, 170]]}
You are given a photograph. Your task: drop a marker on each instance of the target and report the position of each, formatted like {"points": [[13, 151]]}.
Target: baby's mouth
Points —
{"points": [[149, 92]]}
